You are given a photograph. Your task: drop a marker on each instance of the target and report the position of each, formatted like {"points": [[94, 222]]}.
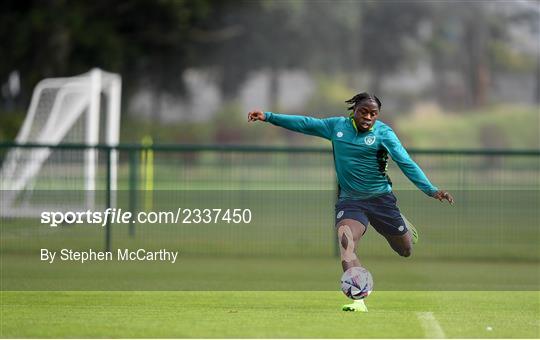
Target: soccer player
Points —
{"points": [[361, 145]]}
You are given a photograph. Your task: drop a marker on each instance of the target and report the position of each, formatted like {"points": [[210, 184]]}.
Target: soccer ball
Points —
{"points": [[356, 283]]}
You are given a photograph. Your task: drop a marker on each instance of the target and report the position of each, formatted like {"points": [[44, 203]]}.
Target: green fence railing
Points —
{"points": [[291, 191]]}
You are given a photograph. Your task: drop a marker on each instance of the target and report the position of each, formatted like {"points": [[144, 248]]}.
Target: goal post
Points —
{"points": [[84, 109]]}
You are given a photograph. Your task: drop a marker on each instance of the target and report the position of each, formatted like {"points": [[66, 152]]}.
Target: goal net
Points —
{"points": [[82, 110]]}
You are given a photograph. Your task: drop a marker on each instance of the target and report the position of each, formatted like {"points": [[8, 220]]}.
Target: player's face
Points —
{"points": [[365, 115]]}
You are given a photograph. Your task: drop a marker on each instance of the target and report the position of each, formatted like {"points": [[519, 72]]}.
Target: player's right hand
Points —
{"points": [[256, 115]]}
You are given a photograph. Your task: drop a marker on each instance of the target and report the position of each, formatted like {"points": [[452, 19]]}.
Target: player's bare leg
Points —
{"points": [[402, 244], [349, 233]]}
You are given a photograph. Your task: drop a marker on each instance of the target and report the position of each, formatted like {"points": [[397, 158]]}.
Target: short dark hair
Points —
{"points": [[362, 97]]}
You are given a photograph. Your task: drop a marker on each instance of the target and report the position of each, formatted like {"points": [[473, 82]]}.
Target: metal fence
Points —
{"points": [[290, 192]]}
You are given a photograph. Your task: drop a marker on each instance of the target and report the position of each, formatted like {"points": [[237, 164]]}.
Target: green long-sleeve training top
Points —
{"points": [[360, 157]]}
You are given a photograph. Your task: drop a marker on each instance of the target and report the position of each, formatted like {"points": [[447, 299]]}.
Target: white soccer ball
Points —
{"points": [[357, 283]]}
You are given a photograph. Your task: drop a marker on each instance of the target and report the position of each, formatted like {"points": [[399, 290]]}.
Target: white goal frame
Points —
{"points": [[75, 96]]}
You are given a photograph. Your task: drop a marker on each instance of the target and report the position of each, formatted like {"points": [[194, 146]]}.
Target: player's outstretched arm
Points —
{"points": [[443, 195], [411, 169], [303, 124]]}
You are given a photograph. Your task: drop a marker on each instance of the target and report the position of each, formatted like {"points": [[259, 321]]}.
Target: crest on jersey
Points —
{"points": [[369, 140]]}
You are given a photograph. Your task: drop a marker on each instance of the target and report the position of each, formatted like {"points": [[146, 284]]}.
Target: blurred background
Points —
{"points": [[192, 69], [459, 82]]}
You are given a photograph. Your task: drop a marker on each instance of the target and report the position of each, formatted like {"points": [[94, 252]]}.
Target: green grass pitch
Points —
{"points": [[290, 314], [474, 274]]}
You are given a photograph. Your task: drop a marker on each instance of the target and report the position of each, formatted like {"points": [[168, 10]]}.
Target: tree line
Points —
{"points": [[152, 42]]}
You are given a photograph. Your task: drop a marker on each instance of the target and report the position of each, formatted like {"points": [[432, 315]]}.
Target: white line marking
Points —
{"points": [[431, 326]]}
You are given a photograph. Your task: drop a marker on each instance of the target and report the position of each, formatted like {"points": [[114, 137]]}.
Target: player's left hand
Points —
{"points": [[444, 195]]}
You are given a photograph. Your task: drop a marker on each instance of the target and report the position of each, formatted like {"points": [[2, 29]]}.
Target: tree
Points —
{"points": [[385, 27], [142, 40]]}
